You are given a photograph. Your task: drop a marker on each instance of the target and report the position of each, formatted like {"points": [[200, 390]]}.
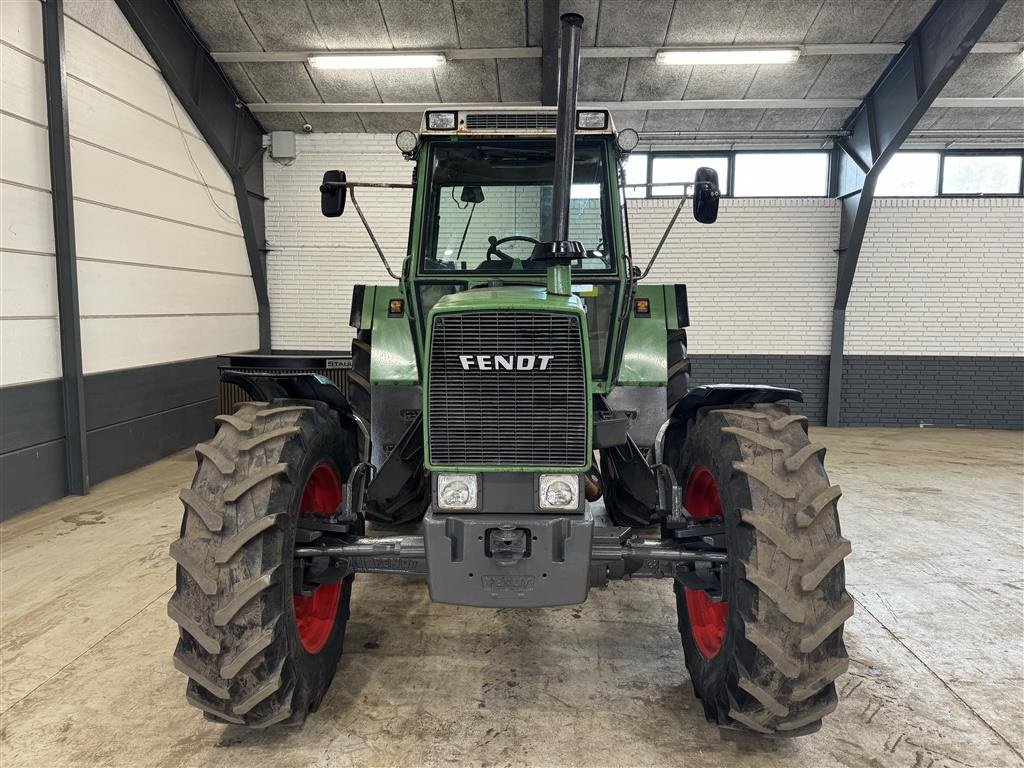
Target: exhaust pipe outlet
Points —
{"points": [[565, 128], [559, 252]]}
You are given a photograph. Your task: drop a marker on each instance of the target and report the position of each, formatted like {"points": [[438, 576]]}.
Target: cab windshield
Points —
{"points": [[491, 203]]}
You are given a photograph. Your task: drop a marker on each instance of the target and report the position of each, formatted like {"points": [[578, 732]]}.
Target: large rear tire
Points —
{"points": [[359, 377], [678, 368], [254, 652], [766, 658]]}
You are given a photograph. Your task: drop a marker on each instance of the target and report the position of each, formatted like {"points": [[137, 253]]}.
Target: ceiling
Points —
{"points": [[250, 29]]}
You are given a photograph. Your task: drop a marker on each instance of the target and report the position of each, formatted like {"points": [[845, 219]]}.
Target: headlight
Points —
{"points": [[441, 121], [627, 139], [407, 141], [457, 491], [558, 492], [593, 121]]}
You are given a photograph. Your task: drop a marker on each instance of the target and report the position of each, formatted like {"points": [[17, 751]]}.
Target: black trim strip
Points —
{"points": [[75, 446]]}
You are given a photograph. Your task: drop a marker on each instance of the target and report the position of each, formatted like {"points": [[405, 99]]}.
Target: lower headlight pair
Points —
{"points": [[462, 491]]}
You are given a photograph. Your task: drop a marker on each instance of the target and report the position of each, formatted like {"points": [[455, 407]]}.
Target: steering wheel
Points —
{"points": [[495, 242]]}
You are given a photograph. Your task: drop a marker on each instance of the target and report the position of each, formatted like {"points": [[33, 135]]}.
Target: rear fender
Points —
{"points": [[301, 386]]}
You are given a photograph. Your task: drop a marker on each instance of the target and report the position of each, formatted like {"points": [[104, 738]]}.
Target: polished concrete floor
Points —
{"points": [[935, 644]]}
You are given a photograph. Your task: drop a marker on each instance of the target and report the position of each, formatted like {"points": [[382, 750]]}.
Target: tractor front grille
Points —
{"points": [[503, 417], [510, 121]]}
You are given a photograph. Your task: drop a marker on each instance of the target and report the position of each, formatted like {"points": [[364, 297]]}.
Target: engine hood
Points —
{"points": [[521, 298]]}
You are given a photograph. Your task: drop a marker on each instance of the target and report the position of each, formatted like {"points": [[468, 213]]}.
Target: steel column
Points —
{"points": [[75, 448], [877, 129], [227, 125]]}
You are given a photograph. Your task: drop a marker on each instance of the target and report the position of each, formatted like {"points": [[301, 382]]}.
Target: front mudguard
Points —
{"points": [[300, 386]]}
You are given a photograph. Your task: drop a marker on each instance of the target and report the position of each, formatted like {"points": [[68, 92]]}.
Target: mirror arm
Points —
{"points": [[327, 185], [664, 237], [366, 226]]}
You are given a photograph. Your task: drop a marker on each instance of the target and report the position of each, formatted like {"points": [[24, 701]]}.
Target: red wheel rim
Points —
{"points": [[315, 615], [707, 618]]}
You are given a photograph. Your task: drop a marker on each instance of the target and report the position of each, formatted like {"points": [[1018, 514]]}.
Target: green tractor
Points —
{"points": [[520, 405]]}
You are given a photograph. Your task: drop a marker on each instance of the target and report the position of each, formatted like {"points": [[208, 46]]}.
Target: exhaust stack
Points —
{"points": [[565, 136], [559, 252]]}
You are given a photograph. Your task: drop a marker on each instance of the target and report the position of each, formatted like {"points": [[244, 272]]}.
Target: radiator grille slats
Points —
{"points": [[504, 418], [514, 121]]}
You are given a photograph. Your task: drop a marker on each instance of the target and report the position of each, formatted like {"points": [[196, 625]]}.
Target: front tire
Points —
{"points": [[255, 653], [767, 657]]}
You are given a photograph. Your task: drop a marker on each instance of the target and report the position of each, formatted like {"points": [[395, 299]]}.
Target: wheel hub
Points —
{"points": [[315, 614], [707, 617]]}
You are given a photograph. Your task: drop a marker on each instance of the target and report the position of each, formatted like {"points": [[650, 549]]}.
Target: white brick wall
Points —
{"points": [[313, 262], [940, 277], [760, 281]]}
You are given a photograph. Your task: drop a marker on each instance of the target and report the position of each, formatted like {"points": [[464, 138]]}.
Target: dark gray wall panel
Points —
{"points": [[30, 414], [117, 396], [30, 477], [896, 391], [808, 373], [132, 417], [122, 447]]}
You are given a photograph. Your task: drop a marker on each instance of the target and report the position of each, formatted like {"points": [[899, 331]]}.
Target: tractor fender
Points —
{"points": [[300, 386], [717, 395]]}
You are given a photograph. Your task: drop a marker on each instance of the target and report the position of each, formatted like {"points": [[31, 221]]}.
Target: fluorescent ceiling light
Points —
{"points": [[730, 56], [377, 61]]}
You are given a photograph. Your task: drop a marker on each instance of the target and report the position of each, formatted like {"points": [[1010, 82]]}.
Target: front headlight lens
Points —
{"points": [[441, 121], [594, 121], [559, 492], [457, 491]]}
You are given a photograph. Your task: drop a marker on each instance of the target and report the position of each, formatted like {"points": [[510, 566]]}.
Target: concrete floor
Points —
{"points": [[936, 644]]}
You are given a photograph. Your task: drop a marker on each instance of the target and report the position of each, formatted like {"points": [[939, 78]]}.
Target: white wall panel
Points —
{"points": [[184, 121], [28, 285], [27, 219], [98, 118], [22, 85], [114, 235], [162, 267], [95, 60], [206, 163], [29, 338], [24, 153], [127, 289], [21, 25], [120, 342], [149, 190], [31, 350]]}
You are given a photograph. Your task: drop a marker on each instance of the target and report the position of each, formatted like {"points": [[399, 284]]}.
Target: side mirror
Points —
{"points": [[333, 194], [706, 195]]}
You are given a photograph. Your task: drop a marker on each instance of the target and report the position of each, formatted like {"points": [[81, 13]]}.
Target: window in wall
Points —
{"points": [[669, 169], [910, 174], [781, 174], [636, 174], [981, 174]]}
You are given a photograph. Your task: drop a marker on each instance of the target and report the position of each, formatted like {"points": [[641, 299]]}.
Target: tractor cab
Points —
{"points": [[484, 203]]}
